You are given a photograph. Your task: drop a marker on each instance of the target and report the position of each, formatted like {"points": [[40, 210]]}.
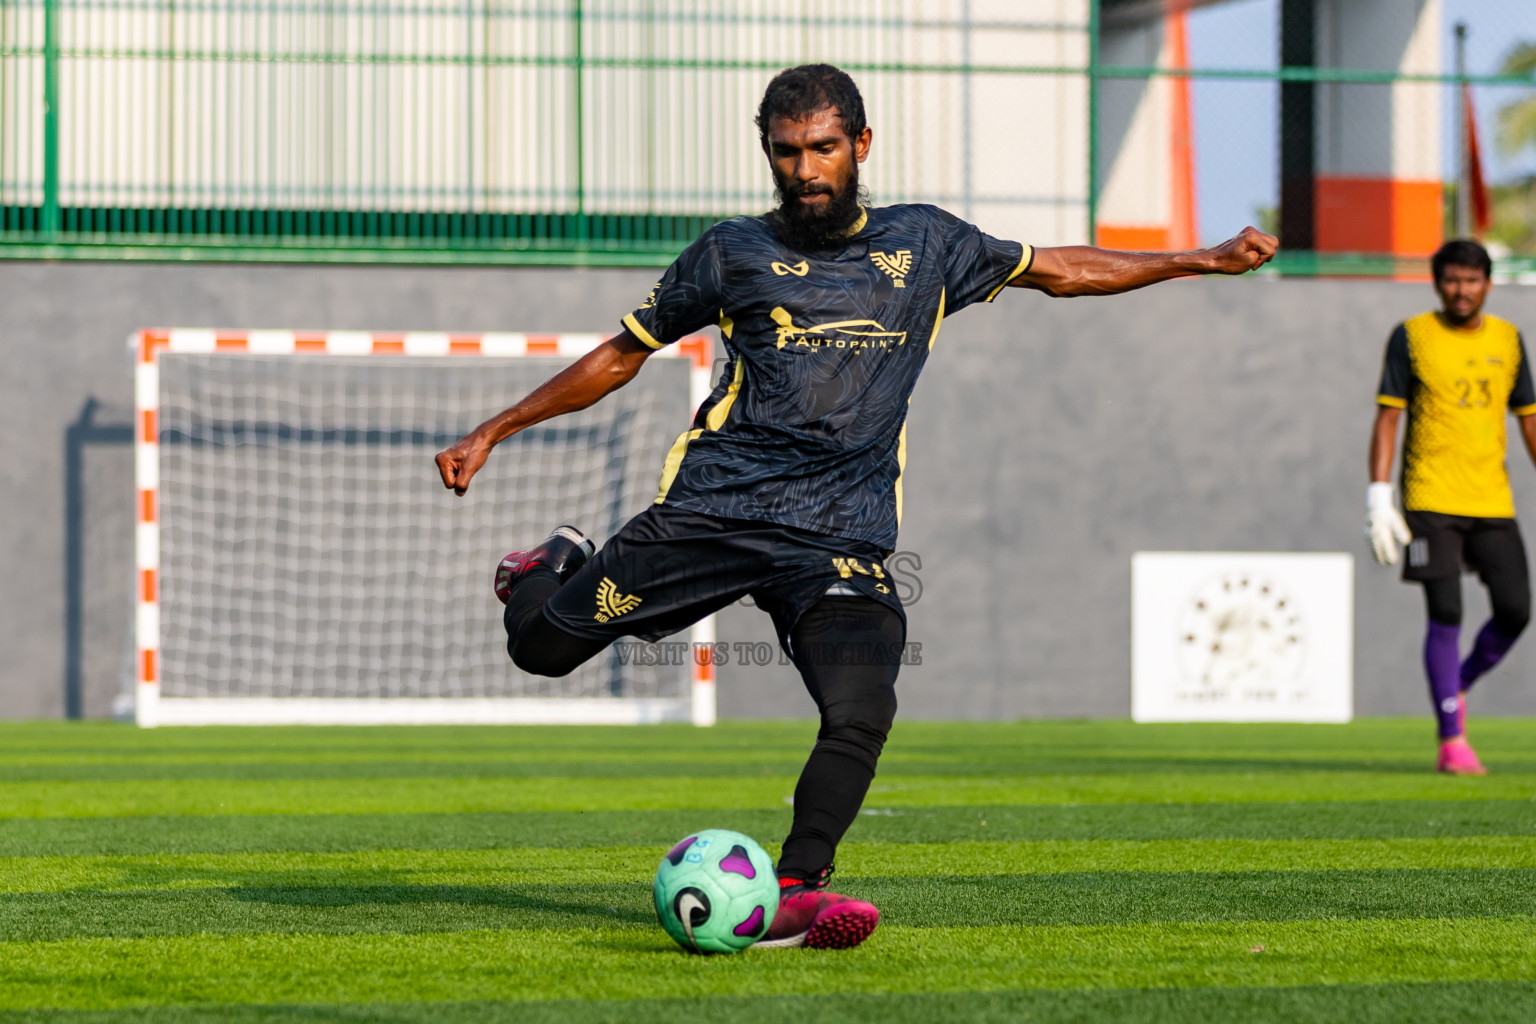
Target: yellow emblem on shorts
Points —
{"points": [[611, 604], [846, 567], [896, 264], [799, 269]]}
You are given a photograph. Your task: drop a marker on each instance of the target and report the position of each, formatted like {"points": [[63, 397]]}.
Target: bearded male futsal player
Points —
{"points": [[1458, 372], [788, 487]]}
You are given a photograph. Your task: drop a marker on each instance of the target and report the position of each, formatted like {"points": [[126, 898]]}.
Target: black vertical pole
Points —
{"points": [[1298, 127], [74, 558], [1463, 171], [80, 434]]}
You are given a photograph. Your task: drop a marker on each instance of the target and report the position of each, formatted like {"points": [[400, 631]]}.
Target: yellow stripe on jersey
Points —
{"points": [[713, 420], [938, 321], [901, 442], [1391, 402], [716, 418], [1453, 454], [1024, 262], [674, 462], [640, 332]]}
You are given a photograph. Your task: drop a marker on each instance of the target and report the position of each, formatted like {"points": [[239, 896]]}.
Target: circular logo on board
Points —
{"points": [[1240, 632]]}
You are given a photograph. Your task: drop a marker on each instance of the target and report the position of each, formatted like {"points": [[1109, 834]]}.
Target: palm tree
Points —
{"points": [[1514, 200], [1517, 120]]}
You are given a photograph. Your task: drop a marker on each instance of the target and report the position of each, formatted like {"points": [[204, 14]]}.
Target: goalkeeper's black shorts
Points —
{"points": [[1444, 545], [666, 569]]}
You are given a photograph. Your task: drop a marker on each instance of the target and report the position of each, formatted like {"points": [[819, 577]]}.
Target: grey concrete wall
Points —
{"points": [[1049, 440]]}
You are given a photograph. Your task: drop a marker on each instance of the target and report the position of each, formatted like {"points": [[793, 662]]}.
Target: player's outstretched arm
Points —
{"points": [[605, 369], [1071, 270]]}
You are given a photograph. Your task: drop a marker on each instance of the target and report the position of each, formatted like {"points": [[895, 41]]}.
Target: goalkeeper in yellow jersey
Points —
{"points": [[1456, 372]]}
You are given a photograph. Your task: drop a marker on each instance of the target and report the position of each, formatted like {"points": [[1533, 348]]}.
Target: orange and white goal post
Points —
{"points": [[299, 562]]}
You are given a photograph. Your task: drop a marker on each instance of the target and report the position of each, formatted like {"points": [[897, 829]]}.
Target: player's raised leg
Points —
{"points": [[848, 650], [524, 582]]}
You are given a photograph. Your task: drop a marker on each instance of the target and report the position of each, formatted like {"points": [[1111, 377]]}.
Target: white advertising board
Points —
{"points": [[1242, 637]]}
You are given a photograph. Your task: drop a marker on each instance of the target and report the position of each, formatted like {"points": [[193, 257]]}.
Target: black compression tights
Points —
{"points": [[848, 650], [1509, 594], [536, 644]]}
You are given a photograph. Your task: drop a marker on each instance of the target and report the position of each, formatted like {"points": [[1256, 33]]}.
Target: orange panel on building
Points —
{"points": [[1378, 215], [1132, 238]]}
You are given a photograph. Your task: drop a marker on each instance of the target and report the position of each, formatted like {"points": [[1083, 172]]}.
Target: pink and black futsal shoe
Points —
{"points": [[812, 917], [1458, 758], [565, 550]]}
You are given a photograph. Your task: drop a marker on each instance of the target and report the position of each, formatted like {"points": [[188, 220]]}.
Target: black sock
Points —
{"points": [[848, 651], [827, 800]]}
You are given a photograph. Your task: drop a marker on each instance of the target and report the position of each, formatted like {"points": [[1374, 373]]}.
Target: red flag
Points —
{"points": [[1476, 185]]}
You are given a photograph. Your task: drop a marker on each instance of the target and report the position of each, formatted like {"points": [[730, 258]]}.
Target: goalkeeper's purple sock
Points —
{"points": [[1442, 664], [1489, 649]]}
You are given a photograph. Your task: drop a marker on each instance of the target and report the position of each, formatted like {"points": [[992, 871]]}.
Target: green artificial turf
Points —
{"points": [[1071, 871]]}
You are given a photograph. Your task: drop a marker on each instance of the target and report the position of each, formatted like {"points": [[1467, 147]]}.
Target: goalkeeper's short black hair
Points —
{"points": [[1461, 252], [797, 93]]}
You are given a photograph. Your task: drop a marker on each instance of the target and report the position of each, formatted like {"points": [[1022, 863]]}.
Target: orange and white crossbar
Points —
{"points": [[152, 710]]}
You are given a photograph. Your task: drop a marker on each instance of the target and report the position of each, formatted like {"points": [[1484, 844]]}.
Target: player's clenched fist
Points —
{"points": [[458, 464], [1249, 250]]}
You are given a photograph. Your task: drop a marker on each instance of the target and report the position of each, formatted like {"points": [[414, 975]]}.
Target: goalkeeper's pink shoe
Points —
{"points": [[565, 550], [812, 917], [1458, 758]]}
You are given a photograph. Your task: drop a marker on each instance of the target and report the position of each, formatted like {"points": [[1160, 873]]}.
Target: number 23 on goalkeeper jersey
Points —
{"points": [[1458, 387], [807, 425]]}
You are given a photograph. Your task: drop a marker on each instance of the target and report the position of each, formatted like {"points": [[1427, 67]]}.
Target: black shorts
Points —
{"points": [[1442, 545], [666, 569]]}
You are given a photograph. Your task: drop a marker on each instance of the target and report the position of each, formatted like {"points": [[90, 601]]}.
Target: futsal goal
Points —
{"points": [[299, 561]]}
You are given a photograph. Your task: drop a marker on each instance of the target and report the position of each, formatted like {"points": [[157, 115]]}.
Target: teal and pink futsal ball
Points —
{"points": [[716, 892]]}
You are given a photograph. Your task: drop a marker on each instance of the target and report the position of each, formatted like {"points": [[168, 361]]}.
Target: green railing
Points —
{"points": [[532, 131]]}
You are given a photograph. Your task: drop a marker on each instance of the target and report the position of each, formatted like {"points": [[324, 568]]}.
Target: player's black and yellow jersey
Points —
{"points": [[1456, 386], [807, 425]]}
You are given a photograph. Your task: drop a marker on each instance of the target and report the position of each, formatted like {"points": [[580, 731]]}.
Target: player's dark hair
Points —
{"points": [[1461, 252], [797, 93]]}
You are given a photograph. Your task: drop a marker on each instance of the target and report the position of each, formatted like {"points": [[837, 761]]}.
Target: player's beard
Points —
{"points": [[820, 226]]}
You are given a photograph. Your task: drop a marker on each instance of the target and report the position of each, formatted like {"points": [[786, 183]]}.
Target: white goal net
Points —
{"points": [[301, 562]]}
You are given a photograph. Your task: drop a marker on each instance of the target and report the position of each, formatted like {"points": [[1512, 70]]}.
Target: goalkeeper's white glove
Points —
{"points": [[1384, 524]]}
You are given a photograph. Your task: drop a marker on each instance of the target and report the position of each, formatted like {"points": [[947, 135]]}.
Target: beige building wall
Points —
{"points": [[1378, 147], [439, 106], [1146, 156]]}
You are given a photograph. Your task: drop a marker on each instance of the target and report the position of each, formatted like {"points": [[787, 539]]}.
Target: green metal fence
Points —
{"points": [[582, 131]]}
